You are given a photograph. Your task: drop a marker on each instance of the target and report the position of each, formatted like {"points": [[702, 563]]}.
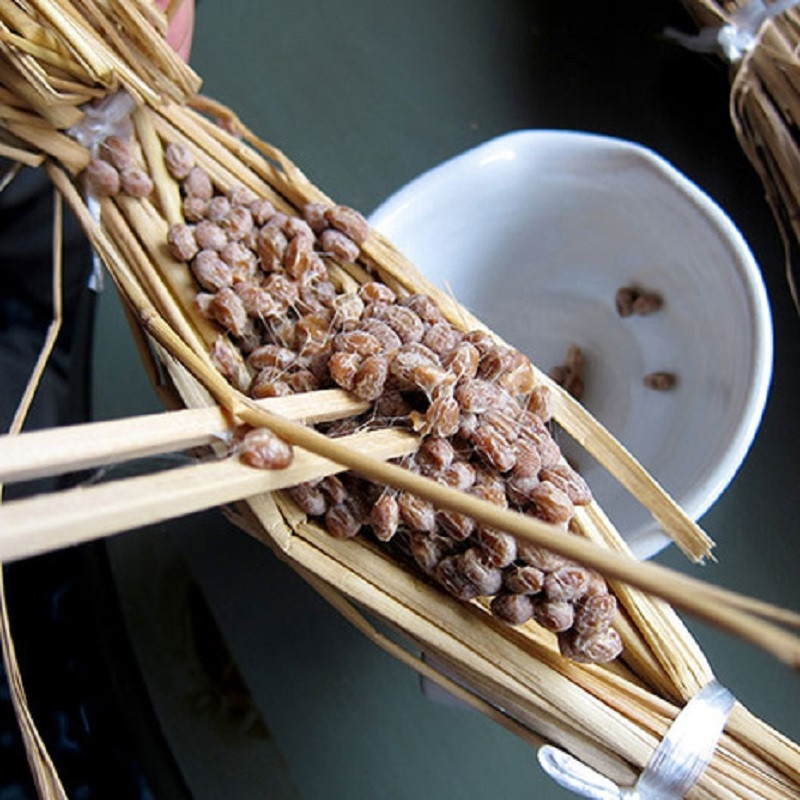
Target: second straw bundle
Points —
{"points": [[765, 97]]}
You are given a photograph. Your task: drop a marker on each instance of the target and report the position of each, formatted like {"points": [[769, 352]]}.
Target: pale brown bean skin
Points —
{"points": [[661, 381], [440, 337], [457, 525], [359, 342], [388, 338], [595, 613], [218, 208], [340, 521], [569, 481], [338, 245], [477, 396], [229, 362], [237, 223], [441, 418], [194, 208], [179, 160], [343, 368], [593, 648], [374, 292], [348, 307], [209, 235], [385, 517], [263, 449], [310, 498], [135, 182], [349, 221], [271, 245], [101, 179], [271, 355], [552, 504], [487, 578], [197, 183], [540, 558], [500, 547], [567, 584], [211, 271], [370, 379], [257, 301], [314, 215], [555, 615], [240, 259], [427, 550], [647, 303], [405, 323], [493, 448], [118, 151], [182, 243], [227, 308], [417, 513], [435, 455], [459, 474], [451, 577], [523, 579], [540, 403], [512, 608], [241, 196]]}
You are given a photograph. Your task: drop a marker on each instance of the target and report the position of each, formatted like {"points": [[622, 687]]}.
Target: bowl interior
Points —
{"points": [[535, 231]]}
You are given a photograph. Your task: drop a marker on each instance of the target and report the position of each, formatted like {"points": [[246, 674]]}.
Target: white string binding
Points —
{"points": [[676, 764], [739, 35], [110, 117]]}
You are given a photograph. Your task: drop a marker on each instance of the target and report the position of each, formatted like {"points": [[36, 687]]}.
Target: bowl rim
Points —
{"points": [[650, 539]]}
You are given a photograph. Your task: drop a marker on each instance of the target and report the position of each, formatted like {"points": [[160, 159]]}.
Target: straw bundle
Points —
{"points": [[59, 56], [761, 42]]}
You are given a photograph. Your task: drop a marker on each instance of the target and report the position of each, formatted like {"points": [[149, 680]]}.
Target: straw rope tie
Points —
{"points": [[740, 35], [676, 764]]}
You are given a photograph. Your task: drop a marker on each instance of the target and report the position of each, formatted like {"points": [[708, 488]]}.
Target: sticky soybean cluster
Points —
{"points": [[264, 279]]}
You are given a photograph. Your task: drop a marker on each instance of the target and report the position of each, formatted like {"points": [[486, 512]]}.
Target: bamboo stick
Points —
{"points": [[77, 447], [47, 522]]}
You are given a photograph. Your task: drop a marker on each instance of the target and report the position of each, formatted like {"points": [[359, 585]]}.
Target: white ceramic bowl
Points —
{"points": [[536, 230]]}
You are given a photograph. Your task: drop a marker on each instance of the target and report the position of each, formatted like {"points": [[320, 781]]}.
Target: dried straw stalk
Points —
{"points": [[611, 717], [765, 107]]}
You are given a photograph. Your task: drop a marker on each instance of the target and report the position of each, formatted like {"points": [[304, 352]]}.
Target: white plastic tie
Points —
{"points": [[110, 117], [739, 35], [676, 764]]}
